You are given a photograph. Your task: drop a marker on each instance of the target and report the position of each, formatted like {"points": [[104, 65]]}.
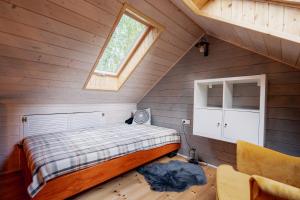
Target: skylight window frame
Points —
{"points": [[131, 14], [102, 82]]}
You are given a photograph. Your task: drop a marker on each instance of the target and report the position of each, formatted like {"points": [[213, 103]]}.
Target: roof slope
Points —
{"points": [[265, 27], [48, 48]]}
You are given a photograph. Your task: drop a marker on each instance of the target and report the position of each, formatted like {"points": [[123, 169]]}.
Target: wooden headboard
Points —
{"points": [[37, 124]]}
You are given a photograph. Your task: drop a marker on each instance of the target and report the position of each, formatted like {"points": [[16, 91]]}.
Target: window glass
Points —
{"points": [[123, 40]]}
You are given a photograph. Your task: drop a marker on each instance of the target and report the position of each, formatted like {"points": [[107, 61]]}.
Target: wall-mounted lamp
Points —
{"points": [[203, 46]]}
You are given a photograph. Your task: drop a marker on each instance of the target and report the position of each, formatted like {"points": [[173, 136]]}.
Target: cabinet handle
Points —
{"points": [[218, 124], [225, 125]]}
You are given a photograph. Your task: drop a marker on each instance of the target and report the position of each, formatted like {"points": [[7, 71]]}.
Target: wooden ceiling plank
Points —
{"points": [[61, 14], [226, 9], [110, 6], [168, 47], [152, 67], [290, 3], [205, 23], [157, 60], [261, 15], [176, 15], [273, 45], [248, 11], [150, 11], [163, 54], [32, 19], [32, 45], [276, 17], [258, 42], [14, 52], [141, 75], [298, 62], [149, 71], [22, 30], [67, 76], [244, 37], [213, 7], [292, 21], [147, 76], [173, 40], [31, 66], [290, 51], [87, 10], [237, 10]]}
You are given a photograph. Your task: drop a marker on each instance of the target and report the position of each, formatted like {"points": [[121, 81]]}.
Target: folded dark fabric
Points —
{"points": [[174, 176], [129, 120]]}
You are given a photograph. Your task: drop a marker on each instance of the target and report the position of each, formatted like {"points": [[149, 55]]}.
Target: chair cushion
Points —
{"points": [[231, 184]]}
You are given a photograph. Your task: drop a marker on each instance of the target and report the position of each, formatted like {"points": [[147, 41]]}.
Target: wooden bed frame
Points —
{"points": [[78, 181]]}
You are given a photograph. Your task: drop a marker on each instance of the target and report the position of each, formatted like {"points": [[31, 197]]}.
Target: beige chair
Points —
{"points": [[262, 174]]}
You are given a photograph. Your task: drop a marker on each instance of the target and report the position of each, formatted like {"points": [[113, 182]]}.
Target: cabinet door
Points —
{"points": [[241, 125], [208, 123]]}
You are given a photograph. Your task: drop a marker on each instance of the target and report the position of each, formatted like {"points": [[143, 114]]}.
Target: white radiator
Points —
{"points": [[37, 124]]}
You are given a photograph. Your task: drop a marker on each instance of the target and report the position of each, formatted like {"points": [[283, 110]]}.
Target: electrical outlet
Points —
{"points": [[186, 121]]}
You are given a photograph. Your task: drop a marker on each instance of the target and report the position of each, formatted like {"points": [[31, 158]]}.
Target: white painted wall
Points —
{"points": [[11, 129]]}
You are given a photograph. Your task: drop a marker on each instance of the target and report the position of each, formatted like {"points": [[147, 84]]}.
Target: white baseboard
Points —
{"points": [[185, 157]]}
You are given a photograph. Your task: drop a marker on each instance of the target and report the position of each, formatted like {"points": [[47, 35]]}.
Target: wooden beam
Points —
{"points": [[292, 3], [195, 5]]}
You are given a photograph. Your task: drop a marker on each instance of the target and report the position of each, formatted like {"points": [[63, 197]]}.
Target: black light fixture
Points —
{"points": [[203, 46]]}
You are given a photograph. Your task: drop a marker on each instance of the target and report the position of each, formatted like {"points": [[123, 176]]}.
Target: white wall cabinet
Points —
{"points": [[230, 109], [209, 122], [241, 125]]}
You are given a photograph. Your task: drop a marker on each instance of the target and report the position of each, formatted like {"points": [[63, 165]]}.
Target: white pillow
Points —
{"points": [[149, 118]]}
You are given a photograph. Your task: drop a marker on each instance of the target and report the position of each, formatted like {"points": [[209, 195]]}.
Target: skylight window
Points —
{"points": [[132, 36], [125, 37]]}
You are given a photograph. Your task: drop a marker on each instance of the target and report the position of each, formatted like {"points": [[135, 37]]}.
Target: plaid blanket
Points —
{"points": [[55, 154]]}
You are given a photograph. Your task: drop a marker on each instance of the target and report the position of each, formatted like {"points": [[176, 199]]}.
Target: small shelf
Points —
{"points": [[242, 110], [209, 95], [246, 96], [215, 95], [209, 107]]}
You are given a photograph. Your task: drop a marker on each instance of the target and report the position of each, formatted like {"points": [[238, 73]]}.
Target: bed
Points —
{"points": [[60, 164]]}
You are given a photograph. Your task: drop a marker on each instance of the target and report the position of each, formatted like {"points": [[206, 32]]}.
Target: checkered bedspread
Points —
{"points": [[55, 154]]}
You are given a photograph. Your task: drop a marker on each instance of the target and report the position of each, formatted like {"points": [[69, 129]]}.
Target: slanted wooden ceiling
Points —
{"points": [[48, 47], [270, 28]]}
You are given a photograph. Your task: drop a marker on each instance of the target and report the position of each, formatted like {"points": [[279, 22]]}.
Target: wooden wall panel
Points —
{"points": [[48, 47], [11, 128], [172, 98]]}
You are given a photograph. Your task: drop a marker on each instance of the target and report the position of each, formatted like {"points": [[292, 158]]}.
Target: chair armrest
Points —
{"points": [[264, 188]]}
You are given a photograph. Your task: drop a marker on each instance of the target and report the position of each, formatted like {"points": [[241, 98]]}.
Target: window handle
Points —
{"points": [[218, 124], [225, 125]]}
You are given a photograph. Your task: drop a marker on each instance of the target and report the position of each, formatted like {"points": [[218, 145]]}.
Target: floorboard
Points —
{"points": [[130, 186]]}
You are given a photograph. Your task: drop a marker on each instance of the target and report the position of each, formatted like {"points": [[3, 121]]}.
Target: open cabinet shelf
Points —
{"points": [[230, 109]]}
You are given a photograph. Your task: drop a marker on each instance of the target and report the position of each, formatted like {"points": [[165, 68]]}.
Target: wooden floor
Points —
{"points": [[130, 186]]}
